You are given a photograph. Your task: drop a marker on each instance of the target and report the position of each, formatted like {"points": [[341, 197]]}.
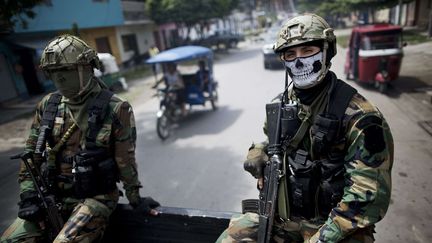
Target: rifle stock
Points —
{"points": [[48, 203], [272, 173]]}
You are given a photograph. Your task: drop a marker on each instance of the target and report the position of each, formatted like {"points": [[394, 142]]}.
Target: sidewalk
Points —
{"points": [[19, 108], [416, 66], [415, 83]]}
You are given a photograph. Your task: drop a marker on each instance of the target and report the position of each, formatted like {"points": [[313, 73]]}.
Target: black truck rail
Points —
{"points": [[171, 225]]}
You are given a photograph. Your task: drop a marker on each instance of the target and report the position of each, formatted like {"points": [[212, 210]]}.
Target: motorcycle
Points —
{"points": [[198, 90], [169, 114]]}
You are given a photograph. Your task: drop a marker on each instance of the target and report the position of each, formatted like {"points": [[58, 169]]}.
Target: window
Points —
{"points": [[378, 41], [130, 43], [103, 45]]}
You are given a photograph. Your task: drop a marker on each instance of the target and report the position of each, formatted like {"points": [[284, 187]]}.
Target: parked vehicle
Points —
{"points": [[110, 73], [271, 59], [375, 54], [221, 40], [197, 91]]}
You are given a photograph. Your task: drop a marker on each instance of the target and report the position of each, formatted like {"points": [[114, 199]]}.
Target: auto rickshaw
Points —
{"points": [[375, 54], [110, 73], [198, 90]]}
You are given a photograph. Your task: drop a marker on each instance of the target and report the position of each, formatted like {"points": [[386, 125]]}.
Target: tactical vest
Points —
{"points": [[314, 180], [94, 169]]}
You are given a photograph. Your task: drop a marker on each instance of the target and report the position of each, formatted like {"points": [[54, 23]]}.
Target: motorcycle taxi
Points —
{"points": [[375, 54], [200, 87]]}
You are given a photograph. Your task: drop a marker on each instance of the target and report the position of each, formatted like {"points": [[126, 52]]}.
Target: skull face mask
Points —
{"points": [[306, 72]]}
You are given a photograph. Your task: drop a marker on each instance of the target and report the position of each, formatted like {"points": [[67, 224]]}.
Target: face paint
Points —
{"points": [[306, 71]]}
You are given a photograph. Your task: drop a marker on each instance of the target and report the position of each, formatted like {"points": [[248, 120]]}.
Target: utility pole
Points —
{"points": [[251, 6], [400, 13], [430, 23]]}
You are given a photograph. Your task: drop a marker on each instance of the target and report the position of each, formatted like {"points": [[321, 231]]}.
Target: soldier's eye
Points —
{"points": [[289, 56]]}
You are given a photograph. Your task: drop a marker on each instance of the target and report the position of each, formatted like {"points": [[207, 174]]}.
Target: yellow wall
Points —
{"points": [[90, 35]]}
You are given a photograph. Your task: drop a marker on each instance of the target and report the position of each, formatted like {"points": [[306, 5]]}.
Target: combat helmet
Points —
{"points": [[68, 51], [303, 29]]}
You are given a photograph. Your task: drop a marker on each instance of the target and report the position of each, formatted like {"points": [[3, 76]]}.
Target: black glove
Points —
{"points": [[145, 205], [255, 162], [29, 208]]}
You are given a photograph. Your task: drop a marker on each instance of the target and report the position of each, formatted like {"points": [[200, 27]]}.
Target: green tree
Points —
{"points": [[13, 11], [191, 13], [345, 6], [156, 10]]}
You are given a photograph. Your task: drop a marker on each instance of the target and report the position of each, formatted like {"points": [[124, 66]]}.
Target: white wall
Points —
{"points": [[144, 37]]}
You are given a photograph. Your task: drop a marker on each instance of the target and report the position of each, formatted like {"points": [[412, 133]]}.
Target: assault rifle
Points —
{"points": [[272, 173], [53, 220]]}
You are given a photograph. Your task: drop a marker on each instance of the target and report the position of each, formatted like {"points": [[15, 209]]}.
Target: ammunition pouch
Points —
{"points": [[290, 122], [94, 173], [324, 132], [315, 184], [332, 184], [303, 181], [315, 187]]}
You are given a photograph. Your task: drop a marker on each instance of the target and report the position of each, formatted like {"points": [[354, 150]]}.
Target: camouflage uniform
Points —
{"points": [[368, 164], [90, 216], [367, 150], [86, 218]]}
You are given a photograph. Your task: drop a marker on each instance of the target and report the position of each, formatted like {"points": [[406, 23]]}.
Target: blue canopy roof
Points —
{"points": [[180, 54]]}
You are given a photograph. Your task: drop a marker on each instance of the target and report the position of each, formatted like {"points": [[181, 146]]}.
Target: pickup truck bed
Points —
{"points": [[171, 225]]}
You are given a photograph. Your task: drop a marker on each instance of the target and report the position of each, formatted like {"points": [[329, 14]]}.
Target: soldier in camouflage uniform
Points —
{"points": [[343, 189], [68, 61]]}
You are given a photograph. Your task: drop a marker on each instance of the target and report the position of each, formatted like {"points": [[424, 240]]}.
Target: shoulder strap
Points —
{"points": [[97, 112], [50, 110], [328, 126], [48, 117], [340, 98]]}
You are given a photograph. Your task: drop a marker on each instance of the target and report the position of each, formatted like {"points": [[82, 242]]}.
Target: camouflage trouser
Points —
{"points": [[86, 224], [244, 228]]}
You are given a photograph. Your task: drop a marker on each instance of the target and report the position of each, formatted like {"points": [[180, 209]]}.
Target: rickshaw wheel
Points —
{"points": [[163, 127], [214, 100]]}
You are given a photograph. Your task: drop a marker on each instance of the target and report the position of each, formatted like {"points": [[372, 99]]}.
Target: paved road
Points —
{"points": [[201, 165]]}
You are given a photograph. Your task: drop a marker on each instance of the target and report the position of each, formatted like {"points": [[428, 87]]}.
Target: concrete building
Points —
{"points": [[135, 36], [415, 13], [117, 27]]}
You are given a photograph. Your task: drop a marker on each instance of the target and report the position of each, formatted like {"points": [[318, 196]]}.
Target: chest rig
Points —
{"points": [[94, 171], [315, 168]]}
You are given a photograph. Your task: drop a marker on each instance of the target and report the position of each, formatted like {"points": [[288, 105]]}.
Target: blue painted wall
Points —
{"points": [[20, 86], [63, 13]]}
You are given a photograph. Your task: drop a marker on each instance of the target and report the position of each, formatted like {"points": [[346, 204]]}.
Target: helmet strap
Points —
{"points": [[80, 75], [83, 83]]}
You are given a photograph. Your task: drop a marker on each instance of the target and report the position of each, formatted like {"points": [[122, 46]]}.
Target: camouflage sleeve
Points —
{"points": [[368, 169], [24, 179], [125, 138]]}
